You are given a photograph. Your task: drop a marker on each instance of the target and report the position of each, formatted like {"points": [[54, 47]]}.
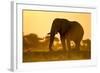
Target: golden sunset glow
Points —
{"points": [[39, 22], [36, 42]]}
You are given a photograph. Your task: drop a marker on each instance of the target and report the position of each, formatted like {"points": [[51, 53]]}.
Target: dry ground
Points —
{"points": [[56, 55]]}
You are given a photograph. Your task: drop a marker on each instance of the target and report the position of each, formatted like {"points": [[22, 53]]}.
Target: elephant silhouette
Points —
{"points": [[68, 30]]}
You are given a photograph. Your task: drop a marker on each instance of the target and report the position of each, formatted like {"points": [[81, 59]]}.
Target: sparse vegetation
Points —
{"points": [[36, 49]]}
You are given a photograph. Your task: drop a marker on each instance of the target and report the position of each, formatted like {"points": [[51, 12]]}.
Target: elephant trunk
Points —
{"points": [[52, 35], [54, 30], [51, 40]]}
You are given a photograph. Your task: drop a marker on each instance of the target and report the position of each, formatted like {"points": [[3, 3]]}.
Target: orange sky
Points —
{"points": [[39, 22]]}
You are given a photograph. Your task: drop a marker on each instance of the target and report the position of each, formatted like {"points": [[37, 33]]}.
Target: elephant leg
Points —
{"points": [[78, 52], [69, 47], [68, 44], [63, 42], [77, 46]]}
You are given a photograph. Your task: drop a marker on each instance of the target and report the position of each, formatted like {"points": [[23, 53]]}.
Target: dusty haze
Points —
{"points": [[39, 22]]}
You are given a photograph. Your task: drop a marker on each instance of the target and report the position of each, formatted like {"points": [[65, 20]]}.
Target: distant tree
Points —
{"points": [[26, 43], [30, 40], [87, 43], [45, 42]]}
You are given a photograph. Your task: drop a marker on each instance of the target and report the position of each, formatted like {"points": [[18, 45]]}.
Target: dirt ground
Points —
{"points": [[56, 56]]}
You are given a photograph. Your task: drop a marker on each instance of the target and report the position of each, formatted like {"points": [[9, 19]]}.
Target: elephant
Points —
{"points": [[68, 30]]}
